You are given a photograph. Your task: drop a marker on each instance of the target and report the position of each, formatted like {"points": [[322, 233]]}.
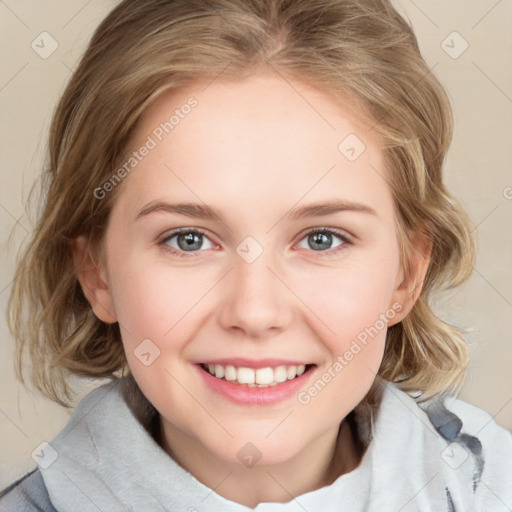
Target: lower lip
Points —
{"points": [[243, 394]]}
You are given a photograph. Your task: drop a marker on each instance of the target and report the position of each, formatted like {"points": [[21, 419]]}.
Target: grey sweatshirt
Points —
{"points": [[443, 456]]}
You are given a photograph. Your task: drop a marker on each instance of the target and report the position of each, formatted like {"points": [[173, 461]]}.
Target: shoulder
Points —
{"points": [[477, 444], [494, 441], [27, 494], [454, 451], [477, 421]]}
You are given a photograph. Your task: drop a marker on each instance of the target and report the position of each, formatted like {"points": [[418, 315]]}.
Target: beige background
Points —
{"points": [[479, 82]]}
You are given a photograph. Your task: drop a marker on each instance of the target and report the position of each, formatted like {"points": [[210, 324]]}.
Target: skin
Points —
{"points": [[253, 150]]}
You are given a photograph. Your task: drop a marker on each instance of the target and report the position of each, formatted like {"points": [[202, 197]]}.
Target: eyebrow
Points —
{"points": [[203, 211]]}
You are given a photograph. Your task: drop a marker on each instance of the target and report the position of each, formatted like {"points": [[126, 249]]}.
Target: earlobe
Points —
{"points": [[92, 277], [410, 282]]}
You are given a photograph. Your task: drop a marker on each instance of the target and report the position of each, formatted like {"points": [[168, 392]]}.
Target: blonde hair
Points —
{"points": [[361, 49]]}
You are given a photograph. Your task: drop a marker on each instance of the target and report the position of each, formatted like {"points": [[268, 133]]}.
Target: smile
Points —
{"points": [[255, 377]]}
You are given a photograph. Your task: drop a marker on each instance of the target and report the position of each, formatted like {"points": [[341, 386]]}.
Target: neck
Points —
{"points": [[319, 464]]}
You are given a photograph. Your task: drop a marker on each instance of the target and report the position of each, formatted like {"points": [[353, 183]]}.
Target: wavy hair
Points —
{"points": [[363, 49]]}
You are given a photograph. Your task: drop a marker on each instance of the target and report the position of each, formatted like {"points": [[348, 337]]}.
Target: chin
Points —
{"points": [[247, 450]]}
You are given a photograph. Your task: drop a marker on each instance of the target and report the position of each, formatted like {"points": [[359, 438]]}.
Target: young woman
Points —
{"points": [[244, 219]]}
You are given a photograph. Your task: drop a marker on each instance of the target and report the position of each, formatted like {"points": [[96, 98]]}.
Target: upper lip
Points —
{"points": [[254, 363]]}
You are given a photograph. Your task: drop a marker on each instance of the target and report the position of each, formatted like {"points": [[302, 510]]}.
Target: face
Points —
{"points": [[215, 255]]}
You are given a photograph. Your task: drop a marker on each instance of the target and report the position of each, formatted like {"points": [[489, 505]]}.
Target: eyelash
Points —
{"points": [[190, 254]]}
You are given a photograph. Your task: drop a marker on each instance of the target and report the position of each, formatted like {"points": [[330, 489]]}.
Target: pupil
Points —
{"points": [[323, 239], [192, 241]]}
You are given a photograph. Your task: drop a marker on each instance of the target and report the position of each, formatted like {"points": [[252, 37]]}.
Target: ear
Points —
{"points": [[93, 280], [409, 282]]}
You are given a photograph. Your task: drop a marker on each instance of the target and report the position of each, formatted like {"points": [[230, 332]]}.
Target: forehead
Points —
{"points": [[265, 136]]}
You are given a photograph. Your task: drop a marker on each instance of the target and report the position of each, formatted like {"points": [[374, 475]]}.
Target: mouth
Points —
{"points": [[265, 377]]}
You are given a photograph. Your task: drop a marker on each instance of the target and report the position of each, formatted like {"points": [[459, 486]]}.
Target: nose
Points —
{"points": [[256, 301]]}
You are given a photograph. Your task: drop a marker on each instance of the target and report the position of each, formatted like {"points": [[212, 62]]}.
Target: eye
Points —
{"points": [[191, 240], [321, 240], [185, 240]]}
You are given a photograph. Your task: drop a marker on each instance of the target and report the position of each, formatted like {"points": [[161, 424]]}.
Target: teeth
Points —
{"points": [[245, 376], [219, 371], [291, 372], [280, 374], [229, 372], [262, 377]]}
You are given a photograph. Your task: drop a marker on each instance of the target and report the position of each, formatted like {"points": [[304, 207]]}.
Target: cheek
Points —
{"points": [[153, 300], [353, 296], [157, 308], [354, 309], [353, 303]]}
